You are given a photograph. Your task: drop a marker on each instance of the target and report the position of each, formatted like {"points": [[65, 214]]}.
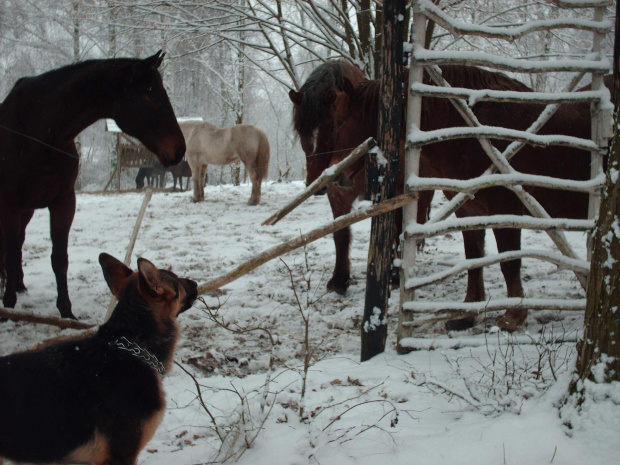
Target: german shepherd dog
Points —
{"points": [[98, 398]]}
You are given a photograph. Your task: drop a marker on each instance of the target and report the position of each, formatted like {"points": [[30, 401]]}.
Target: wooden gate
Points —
{"points": [[414, 313]]}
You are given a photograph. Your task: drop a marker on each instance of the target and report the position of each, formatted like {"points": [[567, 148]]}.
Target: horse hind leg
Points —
{"points": [[256, 185], [507, 240], [197, 183], [61, 218], [473, 242]]}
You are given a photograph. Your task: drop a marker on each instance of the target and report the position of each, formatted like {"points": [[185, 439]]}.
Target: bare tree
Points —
{"points": [[598, 356]]}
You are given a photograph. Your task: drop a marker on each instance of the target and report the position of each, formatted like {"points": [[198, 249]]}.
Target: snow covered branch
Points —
{"points": [[458, 28], [580, 266], [484, 95], [471, 223], [496, 304], [429, 57], [419, 137], [416, 183]]}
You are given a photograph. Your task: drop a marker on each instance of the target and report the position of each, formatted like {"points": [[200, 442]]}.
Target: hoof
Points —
{"points": [[512, 320], [64, 306], [21, 288], [9, 300], [339, 286]]}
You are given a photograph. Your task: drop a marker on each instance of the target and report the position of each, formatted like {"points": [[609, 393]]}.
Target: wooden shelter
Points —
{"points": [[130, 153]]}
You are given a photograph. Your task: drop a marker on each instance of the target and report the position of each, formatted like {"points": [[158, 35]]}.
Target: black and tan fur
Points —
{"points": [[85, 400]]}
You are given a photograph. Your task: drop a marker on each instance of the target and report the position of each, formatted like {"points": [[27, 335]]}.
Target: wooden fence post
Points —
{"points": [[381, 251]]}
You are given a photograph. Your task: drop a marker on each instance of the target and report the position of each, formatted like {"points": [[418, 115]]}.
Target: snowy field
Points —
{"points": [[492, 403]]}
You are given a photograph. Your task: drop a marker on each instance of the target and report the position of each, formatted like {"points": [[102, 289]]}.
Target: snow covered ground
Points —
{"points": [[492, 403]]}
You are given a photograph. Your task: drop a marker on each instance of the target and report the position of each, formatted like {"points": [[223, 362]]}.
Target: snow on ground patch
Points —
{"points": [[393, 409]]}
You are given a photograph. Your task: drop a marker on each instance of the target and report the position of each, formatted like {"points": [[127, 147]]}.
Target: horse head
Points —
{"points": [[312, 119], [314, 134], [144, 111]]}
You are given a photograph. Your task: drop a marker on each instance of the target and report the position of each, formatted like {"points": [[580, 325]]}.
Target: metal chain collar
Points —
{"points": [[134, 349]]}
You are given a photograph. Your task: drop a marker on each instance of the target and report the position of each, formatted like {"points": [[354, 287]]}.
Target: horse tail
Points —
{"points": [[262, 160]]}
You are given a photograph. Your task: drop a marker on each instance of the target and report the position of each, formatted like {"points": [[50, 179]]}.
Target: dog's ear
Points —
{"points": [[150, 278], [115, 273]]}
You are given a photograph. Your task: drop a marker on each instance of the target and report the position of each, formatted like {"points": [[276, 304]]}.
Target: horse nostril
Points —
{"points": [[180, 153]]}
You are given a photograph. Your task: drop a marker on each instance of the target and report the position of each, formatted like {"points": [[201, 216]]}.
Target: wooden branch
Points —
{"points": [[579, 266], [337, 224], [419, 137], [324, 179], [15, 315], [496, 304], [416, 183], [497, 221]]}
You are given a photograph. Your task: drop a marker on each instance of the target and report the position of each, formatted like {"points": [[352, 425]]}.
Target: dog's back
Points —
{"points": [[96, 399]]}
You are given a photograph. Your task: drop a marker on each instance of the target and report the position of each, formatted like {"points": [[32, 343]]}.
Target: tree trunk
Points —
{"points": [[598, 356], [380, 255]]}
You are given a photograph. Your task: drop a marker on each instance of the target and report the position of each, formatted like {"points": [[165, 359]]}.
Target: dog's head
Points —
{"points": [[162, 292]]}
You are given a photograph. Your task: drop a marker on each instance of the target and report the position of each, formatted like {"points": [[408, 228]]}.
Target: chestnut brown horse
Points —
{"points": [[39, 120], [354, 113], [318, 135]]}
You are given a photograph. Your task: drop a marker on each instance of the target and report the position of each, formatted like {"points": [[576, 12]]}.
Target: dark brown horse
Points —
{"points": [[39, 120], [354, 111], [180, 171]]}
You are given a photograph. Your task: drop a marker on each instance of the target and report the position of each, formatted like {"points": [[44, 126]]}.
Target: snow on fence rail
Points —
{"points": [[463, 99]]}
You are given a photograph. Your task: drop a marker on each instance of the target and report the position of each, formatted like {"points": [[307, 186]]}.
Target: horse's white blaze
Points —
{"points": [[315, 140]]}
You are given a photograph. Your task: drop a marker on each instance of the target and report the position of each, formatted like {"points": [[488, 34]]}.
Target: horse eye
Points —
{"points": [[153, 96]]}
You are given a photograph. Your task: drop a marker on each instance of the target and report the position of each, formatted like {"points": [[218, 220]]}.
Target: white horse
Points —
{"points": [[207, 144]]}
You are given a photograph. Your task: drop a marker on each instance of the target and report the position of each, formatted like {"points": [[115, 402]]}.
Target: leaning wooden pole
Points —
{"points": [[323, 180], [132, 242], [15, 315], [380, 254], [304, 239]]}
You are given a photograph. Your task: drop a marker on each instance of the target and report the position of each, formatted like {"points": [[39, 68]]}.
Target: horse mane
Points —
{"points": [[324, 78], [367, 93]]}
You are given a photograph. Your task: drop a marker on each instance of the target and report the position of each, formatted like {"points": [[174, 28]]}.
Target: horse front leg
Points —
{"points": [[507, 240], [341, 202], [26, 216], [61, 218], [12, 255]]}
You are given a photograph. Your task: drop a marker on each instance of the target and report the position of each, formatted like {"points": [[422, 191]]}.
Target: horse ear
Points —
{"points": [[296, 97], [150, 278], [115, 273], [155, 61], [348, 86]]}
